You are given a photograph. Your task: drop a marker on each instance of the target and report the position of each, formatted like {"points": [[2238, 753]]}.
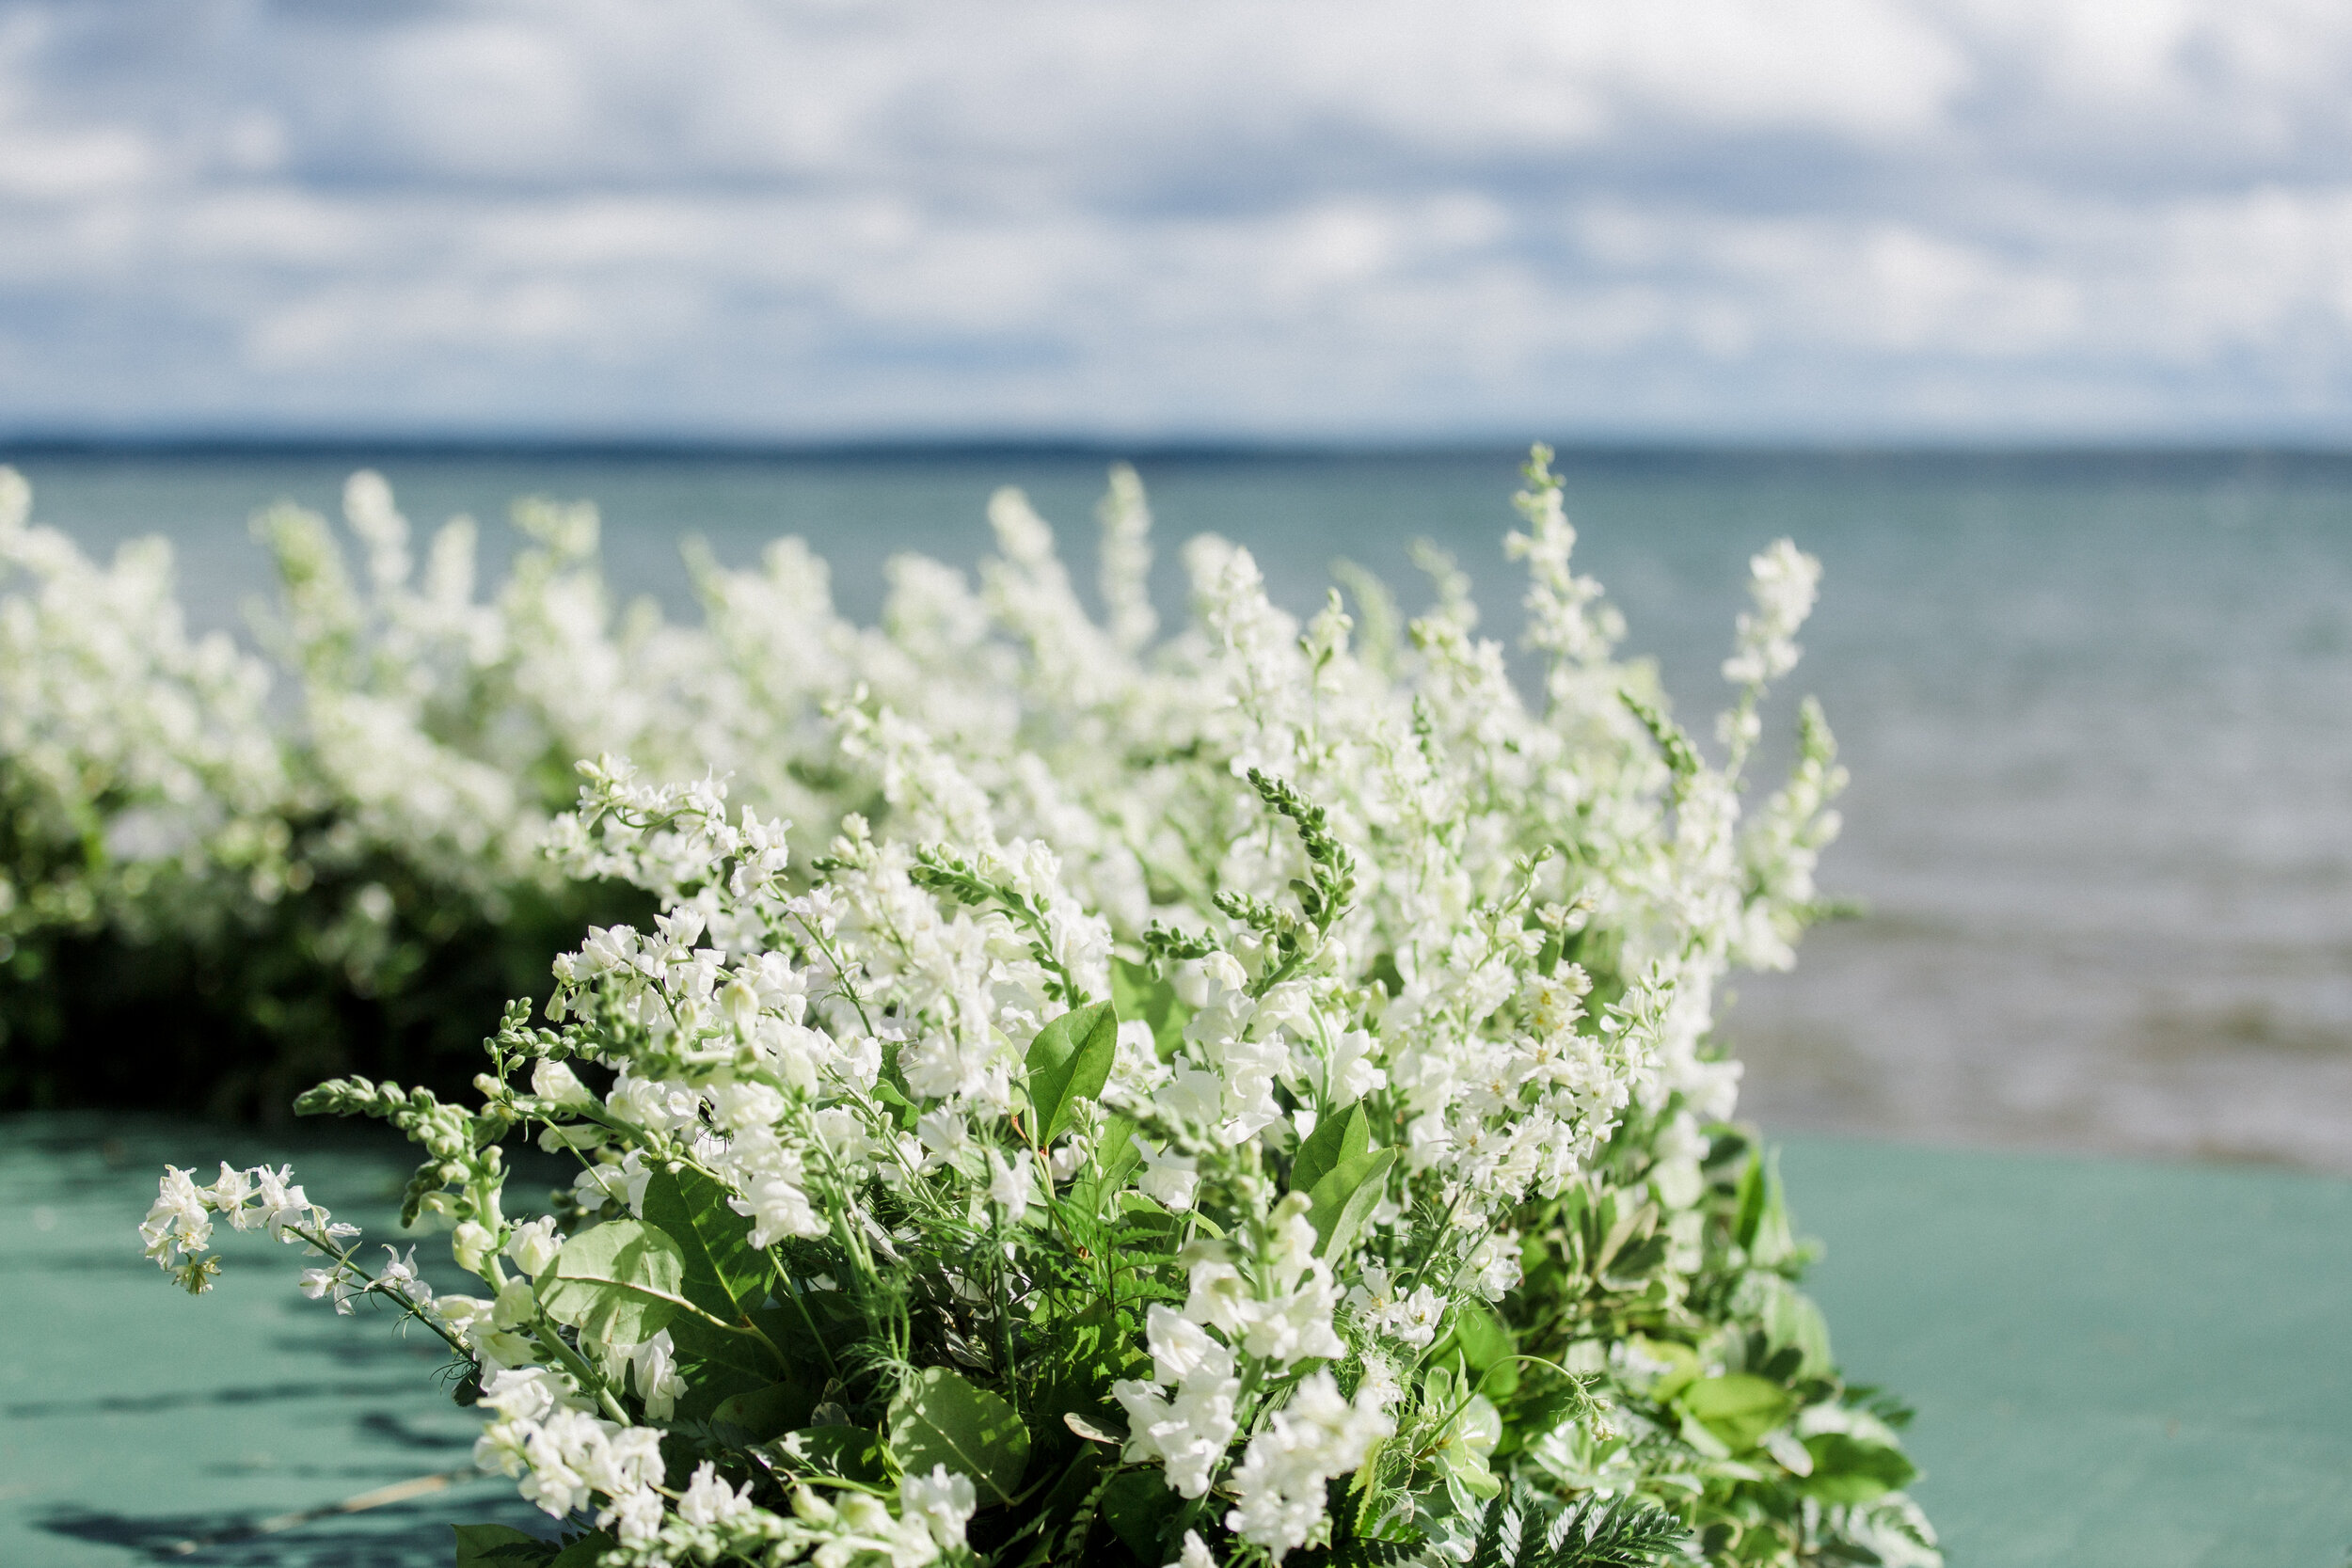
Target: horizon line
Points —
{"points": [[347, 445]]}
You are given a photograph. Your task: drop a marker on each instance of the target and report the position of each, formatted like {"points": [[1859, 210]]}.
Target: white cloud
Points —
{"points": [[1329, 216]]}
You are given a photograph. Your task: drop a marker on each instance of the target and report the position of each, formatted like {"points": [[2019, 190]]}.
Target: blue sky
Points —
{"points": [[1810, 219]]}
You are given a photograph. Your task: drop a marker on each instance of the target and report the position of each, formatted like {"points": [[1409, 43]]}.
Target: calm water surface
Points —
{"points": [[2098, 712]]}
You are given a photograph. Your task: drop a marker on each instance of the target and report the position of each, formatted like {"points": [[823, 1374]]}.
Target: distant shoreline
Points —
{"points": [[2055, 460]]}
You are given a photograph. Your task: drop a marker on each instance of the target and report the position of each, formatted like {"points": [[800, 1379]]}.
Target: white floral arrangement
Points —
{"points": [[1240, 1098]]}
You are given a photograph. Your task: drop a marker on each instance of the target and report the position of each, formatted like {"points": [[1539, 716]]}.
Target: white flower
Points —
{"points": [[1168, 1179], [653, 1366], [556, 1082], [1195, 1553], [943, 1500], [1011, 1184], [1278, 1485], [707, 1499], [533, 1245]]}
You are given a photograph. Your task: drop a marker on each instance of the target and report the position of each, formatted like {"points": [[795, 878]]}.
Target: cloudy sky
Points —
{"points": [[1820, 219]]}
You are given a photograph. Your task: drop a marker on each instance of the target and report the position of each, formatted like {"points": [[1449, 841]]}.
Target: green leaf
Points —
{"points": [[1848, 1469], [1070, 1061], [1139, 993], [726, 1275], [1137, 1504], [1486, 1347], [1738, 1407], [1338, 1137], [852, 1454], [1341, 1201], [621, 1281], [484, 1545], [584, 1551], [1790, 1319], [768, 1412], [938, 1418], [1762, 1226]]}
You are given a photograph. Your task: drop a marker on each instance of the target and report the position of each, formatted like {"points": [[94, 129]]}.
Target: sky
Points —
{"points": [[1811, 220]]}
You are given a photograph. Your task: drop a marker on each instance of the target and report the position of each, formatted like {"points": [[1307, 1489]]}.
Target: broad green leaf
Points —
{"points": [[1070, 1061], [1137, 1504], [1681, 1360], [621, 1281], [1139, 993], [1341, 1201], [768, 1412], [1482, 1341], [500, 1546], [1849, 1469], [584, 1551], [1738, 1407], [853, 1453], [725, 1276], [716, 1240], [938, 1418], [1338, 1137]]}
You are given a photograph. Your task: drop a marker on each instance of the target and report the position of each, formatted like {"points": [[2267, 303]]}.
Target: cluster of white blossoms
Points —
{"points": [[1214, 1097]]}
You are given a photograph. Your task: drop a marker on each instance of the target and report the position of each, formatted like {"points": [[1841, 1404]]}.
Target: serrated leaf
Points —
{"points": [[940, 1418], [1338, 1137], [1070, 1061], [1343, 1200], [621, 1281]]}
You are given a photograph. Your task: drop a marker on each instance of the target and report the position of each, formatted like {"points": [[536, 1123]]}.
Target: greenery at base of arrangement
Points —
{"points": [[1240, 1098]]}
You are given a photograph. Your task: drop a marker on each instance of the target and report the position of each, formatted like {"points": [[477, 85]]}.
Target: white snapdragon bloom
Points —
{"points": [[943, 1500], [1292, 1320], [1783, 581], [337, 1281], [1189, 1430], [621, 1182], [634, 1517], [709, 1500], [177, 1221], [1195, 1553], [1278, 1486], [653, 1366], [1169, 1181], [1412, 1316], [737, 1105], [556, 1083], [1011, 1184], [533, 1244]]}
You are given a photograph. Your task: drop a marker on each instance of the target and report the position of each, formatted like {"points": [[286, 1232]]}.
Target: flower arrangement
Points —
{"points": [[1240, 1098]]}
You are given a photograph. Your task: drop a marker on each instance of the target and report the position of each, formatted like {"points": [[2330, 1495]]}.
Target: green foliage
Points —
{"points": [[622, 1281], [940, 1418], [1068, 1062]]}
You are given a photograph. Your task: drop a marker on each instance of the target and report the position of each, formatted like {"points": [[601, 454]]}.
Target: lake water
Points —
{"points": [[2098, 711]]}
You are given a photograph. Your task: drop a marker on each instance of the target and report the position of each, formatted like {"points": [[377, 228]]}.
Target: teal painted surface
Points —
{"points": [[132, 1417], [2116, 1365]]}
